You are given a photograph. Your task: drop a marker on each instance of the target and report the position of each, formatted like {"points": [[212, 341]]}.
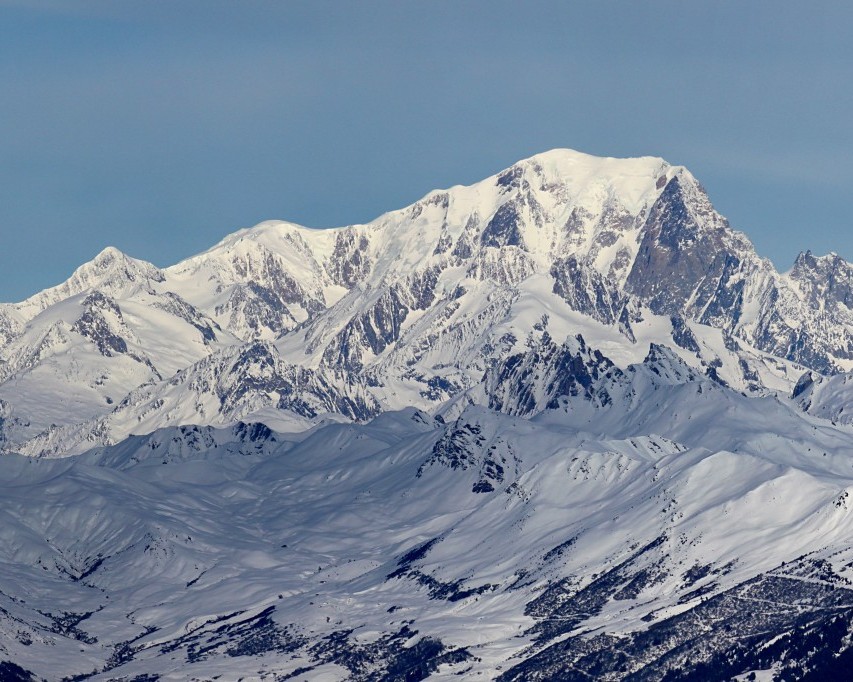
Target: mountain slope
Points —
{"points": [[407, 547]]}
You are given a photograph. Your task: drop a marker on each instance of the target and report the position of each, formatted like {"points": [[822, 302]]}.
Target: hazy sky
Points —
{"points": [[159, 127]]}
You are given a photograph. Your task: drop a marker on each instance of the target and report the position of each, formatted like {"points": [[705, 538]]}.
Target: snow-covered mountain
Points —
{"points": [[561, 424], [418, 307], [78, 348]]}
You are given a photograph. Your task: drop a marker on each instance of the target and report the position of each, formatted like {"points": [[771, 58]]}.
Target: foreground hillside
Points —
{"points": [[676, 530]]}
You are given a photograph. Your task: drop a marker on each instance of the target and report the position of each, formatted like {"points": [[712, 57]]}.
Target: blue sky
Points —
{"points": [[159, 127]]}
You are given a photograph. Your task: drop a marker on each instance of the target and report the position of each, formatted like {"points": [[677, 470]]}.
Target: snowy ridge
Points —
{"points": [[828, 398], [78, 358], [234, 384]]}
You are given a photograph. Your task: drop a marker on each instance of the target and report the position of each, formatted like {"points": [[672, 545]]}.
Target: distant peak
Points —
{"points": [[108, 255], [807, 258], [111, 258], [111, 263]]}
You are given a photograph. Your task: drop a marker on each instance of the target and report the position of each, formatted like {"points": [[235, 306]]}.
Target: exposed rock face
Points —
{"points": [[689, 261], [587, 291], [683, 336], [350, 262], [529, 382], [94, 325]]}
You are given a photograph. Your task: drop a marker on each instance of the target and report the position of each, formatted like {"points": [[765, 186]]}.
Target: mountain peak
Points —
{"points": [[108, 253], [110, 269], [808, 267], [110, 262]]}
